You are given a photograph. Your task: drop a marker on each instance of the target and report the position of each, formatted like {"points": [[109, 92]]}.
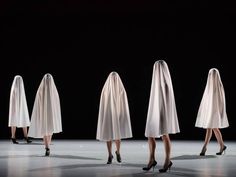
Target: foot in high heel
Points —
{"points": [[47, 152], [163, 170], [27, 140], [14, 141], [109, 161], [150, 165], [118, 157], [222, 151], [203, 152]]}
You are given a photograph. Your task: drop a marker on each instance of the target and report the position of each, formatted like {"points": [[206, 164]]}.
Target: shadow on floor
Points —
{"points": [[112, 170], [33, 143], [51, 156], [72, 157], [64, 167], [192, 157]]}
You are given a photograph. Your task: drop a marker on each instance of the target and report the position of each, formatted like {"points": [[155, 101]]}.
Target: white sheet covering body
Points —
{"points": [[18, 109], [114, 117], [46, 114], [212, 109], [162, 115]]}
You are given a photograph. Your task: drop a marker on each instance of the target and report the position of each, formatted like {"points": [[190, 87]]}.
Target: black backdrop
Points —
{"points": [[81, 42]]}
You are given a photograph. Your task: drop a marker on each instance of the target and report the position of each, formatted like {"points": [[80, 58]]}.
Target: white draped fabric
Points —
{"points": [[18, 109], [46, 114], [162, 115], [114, 117], [212, 110]]}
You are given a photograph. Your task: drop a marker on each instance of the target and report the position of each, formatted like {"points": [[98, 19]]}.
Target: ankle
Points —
{"points": [[167, 162], [151, 161], [222, 146], [204, 149]]}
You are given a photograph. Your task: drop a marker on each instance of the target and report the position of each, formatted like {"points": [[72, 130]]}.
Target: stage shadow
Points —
{"points": [[131, 165], [169, 174], [107, 170], [192, 157], [51, 156], [174, 172], [72, 157], [64, 167], [13, 156], [32, 143], [137, 174]]}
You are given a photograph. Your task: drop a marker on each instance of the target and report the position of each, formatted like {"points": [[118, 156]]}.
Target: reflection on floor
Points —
{"points": [[88, 158]]}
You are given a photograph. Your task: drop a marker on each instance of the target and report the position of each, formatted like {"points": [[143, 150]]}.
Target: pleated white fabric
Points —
{"points": [[46, 114], [162, 115], [18, 109], [114, 117], [212, 110]]}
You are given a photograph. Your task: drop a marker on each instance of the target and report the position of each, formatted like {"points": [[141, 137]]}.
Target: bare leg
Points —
{"points": [[167, 145], [13, 135], [47, 141], [110, 156], [25, 132], [207, 139], [109, 146], [152, 148], [118, 146], [219, 138], [13, 132], [26, 135], [118, 157]]}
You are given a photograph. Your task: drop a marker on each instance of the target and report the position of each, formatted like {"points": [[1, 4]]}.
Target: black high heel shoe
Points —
{"points": [[27, 140], [152, 165], [47, 152], [203, 152], [118, 157], [14, 141], [109, 161], [163, 170], [222, 151]]}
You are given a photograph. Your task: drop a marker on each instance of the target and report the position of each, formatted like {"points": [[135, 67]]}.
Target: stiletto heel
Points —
{"points": [[47, 153], [163, 170], [109, 161], [152, 165], [118, 157], [27, 140], [203, 152], [14, 141], [222, 151]]}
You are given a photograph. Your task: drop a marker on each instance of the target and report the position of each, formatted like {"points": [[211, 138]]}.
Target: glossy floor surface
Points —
{"points": [[88, 158]]}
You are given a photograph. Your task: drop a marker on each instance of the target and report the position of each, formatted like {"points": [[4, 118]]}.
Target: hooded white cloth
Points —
{"points": [[212, 110], [18, 110], [114, 118], [162, 115], [46, 114]]}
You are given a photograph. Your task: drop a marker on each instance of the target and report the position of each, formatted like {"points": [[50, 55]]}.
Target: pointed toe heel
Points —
{"points": [[118, 157], [109, 161], [14, 141], [222, 151], [149, 166], [47, 152], [163, 170]]}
